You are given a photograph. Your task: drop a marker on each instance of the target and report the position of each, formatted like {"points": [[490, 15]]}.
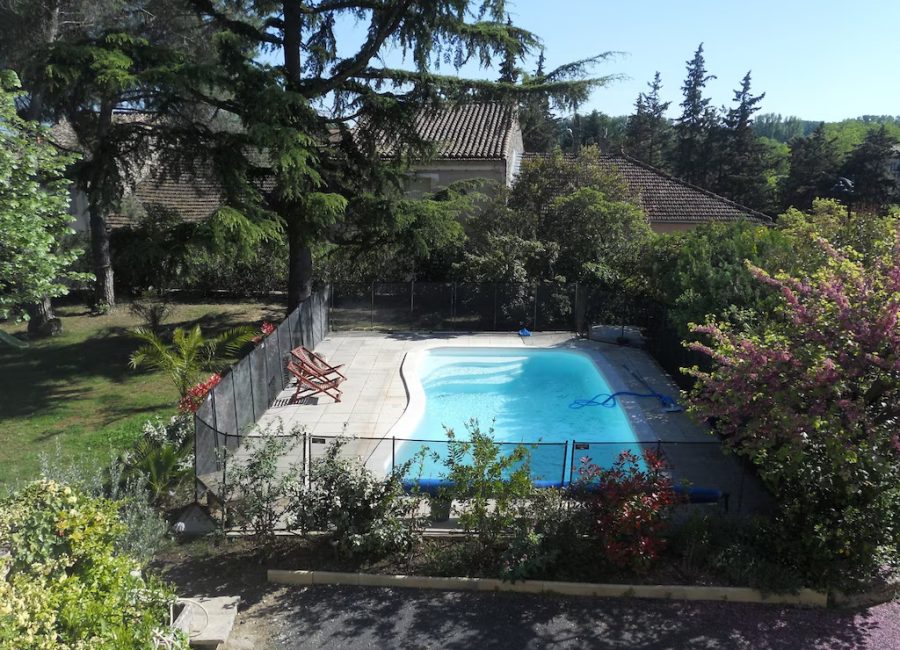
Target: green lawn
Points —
{"points": [[76, 391]]}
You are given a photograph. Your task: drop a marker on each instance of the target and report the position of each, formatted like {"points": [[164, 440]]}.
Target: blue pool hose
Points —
{"points": [[609, 400]]}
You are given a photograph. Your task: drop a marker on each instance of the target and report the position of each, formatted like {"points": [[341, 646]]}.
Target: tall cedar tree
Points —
{"points": [[690, 156], [868, 167], [97, 66], [741, 167], [648, 133], [814, 166], [298, 164]]}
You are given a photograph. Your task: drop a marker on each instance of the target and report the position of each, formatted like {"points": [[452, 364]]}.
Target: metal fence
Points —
{"points": [[250, 387], [484, 306], [700, 469]]}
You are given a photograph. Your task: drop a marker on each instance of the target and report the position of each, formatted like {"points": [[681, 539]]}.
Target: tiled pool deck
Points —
{"points": [[374, 397]]}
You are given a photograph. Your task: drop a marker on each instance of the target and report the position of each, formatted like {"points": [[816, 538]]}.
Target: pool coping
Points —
{"points": [[804, 597]]}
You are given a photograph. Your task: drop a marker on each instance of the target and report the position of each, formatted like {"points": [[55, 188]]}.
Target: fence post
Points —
{"points": [[306, 460], [575, 308], [393, 453], [534, 320], [572, 463], [562, 481], [412, 293], [372, 308]]}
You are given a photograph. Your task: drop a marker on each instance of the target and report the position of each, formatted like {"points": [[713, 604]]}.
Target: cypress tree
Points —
{"points": [[741, 158], [690, 156], [814, 165], [647, 134]]}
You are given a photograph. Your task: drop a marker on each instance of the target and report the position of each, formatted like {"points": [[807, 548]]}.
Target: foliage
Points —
{"points": [[811, 396], [628, 505], [190, 353], [489, 483], [367, 515], [868, 166], [64, 585], [145, 528], [34, 218], [565, 220]]}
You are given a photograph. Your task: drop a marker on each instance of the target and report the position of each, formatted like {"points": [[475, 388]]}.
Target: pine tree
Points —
{"points": [[868, 167], [648, 132], [690, 156], [814, 166], [290, 161], [740, 158]]}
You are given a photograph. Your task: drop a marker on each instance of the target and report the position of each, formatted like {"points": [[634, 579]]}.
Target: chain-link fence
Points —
{"points": [[250, 387]]}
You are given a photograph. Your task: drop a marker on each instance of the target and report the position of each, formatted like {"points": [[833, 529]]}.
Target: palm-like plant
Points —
{"points": [[190, 354]]}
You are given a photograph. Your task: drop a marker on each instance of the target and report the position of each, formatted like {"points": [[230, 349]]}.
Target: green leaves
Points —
{"points": [[34, 218]]}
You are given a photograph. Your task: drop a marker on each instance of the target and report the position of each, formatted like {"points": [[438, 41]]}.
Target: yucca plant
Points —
{"points": [[190, 355]]}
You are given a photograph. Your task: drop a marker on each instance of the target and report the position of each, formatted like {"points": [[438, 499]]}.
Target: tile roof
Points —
{"points": [[666, 199], [194, 197], [473, 131]]}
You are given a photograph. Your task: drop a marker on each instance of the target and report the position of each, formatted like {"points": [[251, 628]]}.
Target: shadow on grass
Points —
{"points": [[49, 373]]}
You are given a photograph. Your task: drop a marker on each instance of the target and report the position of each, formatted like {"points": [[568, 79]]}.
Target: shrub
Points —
{"points": [[152, 312], [259, 483], [64, 585], [812, 396], [627, 506], [489, 485], [366, 514]]}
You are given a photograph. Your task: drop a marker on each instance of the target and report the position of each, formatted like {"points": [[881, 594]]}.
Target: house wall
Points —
{"points": [[441, 173], [515, 149], [78, 208]]}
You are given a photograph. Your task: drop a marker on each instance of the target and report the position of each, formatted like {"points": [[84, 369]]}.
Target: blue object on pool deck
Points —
{"points": [[524, 332], [609, 400]]}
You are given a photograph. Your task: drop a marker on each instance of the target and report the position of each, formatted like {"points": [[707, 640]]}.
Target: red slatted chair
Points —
{"points": [[315, 364], [309, 385]]}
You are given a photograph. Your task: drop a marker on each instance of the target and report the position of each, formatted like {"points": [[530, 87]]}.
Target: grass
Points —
{"points": [[76, 391]]}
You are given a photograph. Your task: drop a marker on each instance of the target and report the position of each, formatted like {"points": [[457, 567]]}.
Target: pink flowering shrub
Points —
{"points": [[811, 394], [627, 507], [196, 394], [264, 330]]}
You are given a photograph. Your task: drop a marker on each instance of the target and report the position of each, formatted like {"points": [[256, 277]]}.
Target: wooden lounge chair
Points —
{"points": [[316, 364], [309, 385]]}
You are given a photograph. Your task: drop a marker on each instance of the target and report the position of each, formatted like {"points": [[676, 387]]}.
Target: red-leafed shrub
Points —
{"points": [[195, 395], [627, 505]]}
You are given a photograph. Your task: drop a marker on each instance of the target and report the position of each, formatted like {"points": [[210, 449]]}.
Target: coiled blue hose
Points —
{"points": [[609, 400]]}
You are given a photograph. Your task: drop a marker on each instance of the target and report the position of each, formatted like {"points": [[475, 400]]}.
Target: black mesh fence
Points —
{"points": [[250, 387], [484, 306], [701, 472]]}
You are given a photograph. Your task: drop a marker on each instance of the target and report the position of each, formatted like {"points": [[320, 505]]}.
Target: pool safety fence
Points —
{"points": [[485, 306], [699, 470], [250, 386]]}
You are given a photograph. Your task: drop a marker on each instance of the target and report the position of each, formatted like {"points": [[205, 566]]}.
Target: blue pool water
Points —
{"points": [[525, 395]]}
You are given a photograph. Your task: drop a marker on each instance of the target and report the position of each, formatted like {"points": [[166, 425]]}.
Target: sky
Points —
{"points": [[819, 60]]}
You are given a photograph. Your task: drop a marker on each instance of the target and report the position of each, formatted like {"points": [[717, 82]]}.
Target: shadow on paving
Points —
{"points": [[355, 617]]}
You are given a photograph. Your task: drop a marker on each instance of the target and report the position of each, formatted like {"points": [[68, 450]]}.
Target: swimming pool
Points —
{"points": [[524, 394]]}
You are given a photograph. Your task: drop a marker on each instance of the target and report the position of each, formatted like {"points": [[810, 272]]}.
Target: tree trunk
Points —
{"points": [[300, 267], [41, 320], [104, 292]]}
